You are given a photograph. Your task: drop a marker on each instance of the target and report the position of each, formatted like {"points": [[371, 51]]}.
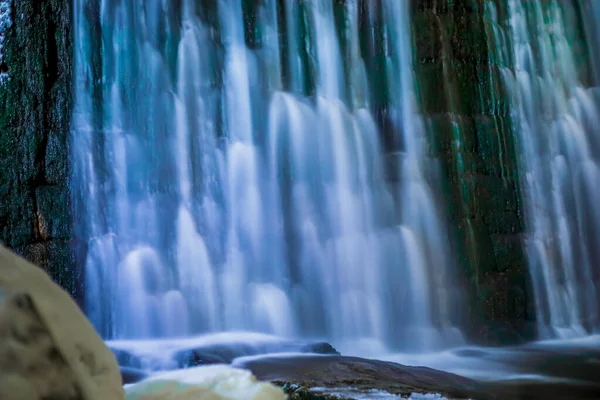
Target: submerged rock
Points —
{"points": [[204, 383], [48, 349], [329, 377], [132, 375], [226, 353], [220, 348]]}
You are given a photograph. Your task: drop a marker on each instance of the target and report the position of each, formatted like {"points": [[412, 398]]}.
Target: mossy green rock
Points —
{"points": [[463, 96]]}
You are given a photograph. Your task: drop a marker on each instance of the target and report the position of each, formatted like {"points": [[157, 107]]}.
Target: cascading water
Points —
{"points": [[229, 174], [556, 118]]}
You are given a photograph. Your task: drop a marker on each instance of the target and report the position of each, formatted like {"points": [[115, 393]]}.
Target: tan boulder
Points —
{"points": [[48, 349], [212, 382]]}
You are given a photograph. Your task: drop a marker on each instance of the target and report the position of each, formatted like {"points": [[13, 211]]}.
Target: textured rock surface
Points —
{"points": [[48, 349], [298, 374], [30, 363], [35, 112], [463, 96]]}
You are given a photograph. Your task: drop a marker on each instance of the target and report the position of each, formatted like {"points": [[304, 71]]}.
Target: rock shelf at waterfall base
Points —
{"points": [[304, 369], [309, 370], [342, 377], [533, 373]]}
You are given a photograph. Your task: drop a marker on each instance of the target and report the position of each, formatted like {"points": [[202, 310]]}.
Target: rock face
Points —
{"points": [[463, 96], [35, 114], [48, 349]]}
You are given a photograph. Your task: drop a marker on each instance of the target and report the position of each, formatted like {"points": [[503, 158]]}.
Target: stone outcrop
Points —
{"points": [[48, 349], [317, 377], [35, 113]]}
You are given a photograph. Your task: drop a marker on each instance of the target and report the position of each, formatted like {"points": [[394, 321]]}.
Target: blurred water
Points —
{"points": [[227, 180], [556, 107]]}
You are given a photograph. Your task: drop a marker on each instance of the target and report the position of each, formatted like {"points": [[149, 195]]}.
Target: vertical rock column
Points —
{"points": [[459, 56], [35, 112]]}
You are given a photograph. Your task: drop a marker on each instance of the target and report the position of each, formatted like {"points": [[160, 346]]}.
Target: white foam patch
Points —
{"points": [[592, 341], [142, 346], [239, 362], [374, 394], [159, 353], [427, 396], [230, 383]]}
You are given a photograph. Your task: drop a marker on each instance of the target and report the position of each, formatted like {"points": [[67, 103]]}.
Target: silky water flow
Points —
{"points": [[231, 179]]}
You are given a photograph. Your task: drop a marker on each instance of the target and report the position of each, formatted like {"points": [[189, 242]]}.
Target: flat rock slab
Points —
{"points": [[317, 375]]}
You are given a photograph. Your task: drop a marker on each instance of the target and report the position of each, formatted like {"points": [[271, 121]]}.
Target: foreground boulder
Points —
{"points": [[213, 382], [48, 349]]}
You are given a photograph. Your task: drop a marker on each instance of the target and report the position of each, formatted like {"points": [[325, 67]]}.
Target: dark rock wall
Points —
{"points": [[35, 112], [464, 99]]}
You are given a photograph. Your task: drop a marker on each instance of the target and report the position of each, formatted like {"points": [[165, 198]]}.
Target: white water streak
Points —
{"points": [[556, 117]]}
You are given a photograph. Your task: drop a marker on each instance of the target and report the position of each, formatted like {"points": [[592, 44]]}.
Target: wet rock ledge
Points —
{"points": [[315, 377], [304, 370]]}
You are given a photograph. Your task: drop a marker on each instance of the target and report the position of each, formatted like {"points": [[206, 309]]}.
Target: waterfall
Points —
{"points": [[229, 173], [556, 115]]}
